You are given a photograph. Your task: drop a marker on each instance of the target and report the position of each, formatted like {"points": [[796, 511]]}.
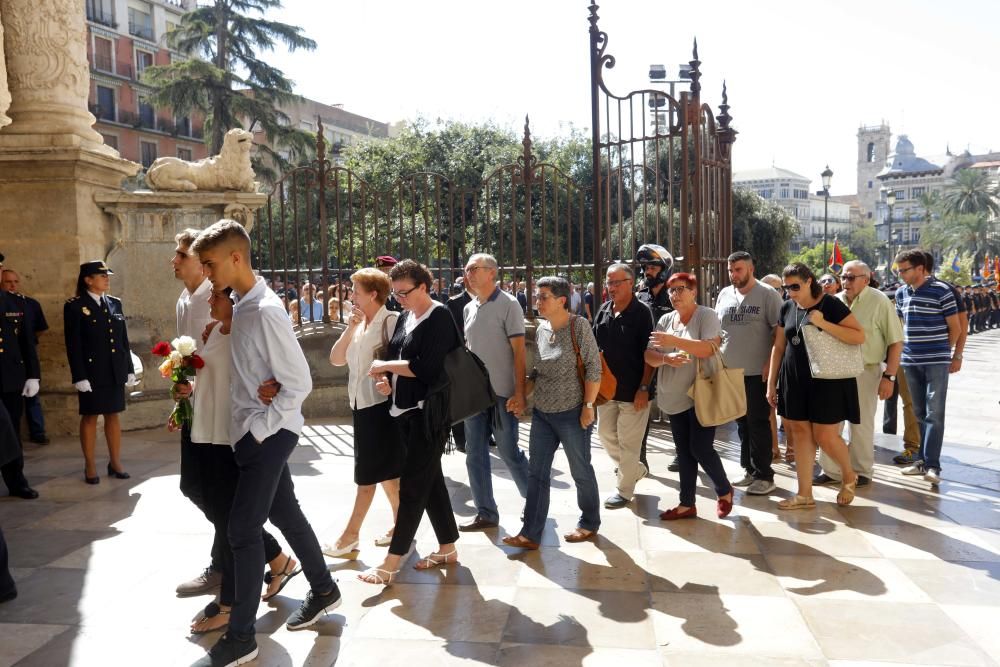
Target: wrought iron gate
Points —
{"points": [[670, 183]]}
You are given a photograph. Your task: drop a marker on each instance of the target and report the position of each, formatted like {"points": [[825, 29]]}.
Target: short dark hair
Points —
{"points": [[914, 256], [414, 271], [803, 273], [930, 261], [558, 285], [740, 256]]}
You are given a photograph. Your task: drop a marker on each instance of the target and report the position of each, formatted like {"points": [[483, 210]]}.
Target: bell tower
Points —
{"points": [[873, 151]]}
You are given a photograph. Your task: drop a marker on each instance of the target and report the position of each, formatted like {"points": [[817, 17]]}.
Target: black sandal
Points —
{"points": [[285, 577], [212, 609]]}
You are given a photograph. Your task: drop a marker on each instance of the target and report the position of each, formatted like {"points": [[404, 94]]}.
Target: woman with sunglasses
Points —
{"points": [[813, 410], [689, 331], [830, 283], [423, 336]]}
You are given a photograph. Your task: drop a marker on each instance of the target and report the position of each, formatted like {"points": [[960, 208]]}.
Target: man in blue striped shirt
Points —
{"points": [[930, 330]]}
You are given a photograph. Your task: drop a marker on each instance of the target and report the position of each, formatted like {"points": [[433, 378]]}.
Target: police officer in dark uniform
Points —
{"points": [[385, 264], [655, 263], [19, 377], [11, 281], [98, 351]]}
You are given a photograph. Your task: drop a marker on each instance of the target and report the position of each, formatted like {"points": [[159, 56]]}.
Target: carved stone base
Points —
{"points": [[50, 224]]}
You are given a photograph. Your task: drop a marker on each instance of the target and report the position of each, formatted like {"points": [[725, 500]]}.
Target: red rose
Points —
{"points": [[197, 362], [161, 349]]}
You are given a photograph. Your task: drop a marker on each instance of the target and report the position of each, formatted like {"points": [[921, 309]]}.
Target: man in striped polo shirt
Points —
{"points": [[930, 330]]}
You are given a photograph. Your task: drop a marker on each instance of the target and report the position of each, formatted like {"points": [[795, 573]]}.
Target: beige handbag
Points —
{"points": [[721, 397]]}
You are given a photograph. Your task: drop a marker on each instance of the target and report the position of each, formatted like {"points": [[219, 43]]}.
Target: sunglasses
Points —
{"points": [[826, 281], [791, 288], [851, 279]]}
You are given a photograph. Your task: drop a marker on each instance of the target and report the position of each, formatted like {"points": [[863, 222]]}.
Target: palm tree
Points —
{"points": [[971, 191], [232, 85]]}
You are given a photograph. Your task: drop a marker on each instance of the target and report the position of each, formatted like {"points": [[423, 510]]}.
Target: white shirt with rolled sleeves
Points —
{"points": [[193, 311], [265, 347]]}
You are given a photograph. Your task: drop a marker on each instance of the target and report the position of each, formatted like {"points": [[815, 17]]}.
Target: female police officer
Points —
{"points": [[98, 351]]}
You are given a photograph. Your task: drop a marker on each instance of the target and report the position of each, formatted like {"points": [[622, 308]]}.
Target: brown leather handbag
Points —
{"points": [[609, 384]]}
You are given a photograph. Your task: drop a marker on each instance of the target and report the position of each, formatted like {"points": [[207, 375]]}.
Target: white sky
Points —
{"points": [[802, 74]]}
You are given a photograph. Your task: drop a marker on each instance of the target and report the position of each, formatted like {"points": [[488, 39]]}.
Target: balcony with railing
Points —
{"points": [[140, 24], [103, 113], [105, 65], [101, 16]]}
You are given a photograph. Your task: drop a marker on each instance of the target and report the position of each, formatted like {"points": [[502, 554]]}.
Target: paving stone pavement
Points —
{"points": [[907, 575]]}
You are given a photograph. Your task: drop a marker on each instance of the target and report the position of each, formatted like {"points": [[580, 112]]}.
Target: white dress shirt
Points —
{"points": [[265, 347], [193, 311], [360, 354], [211, 402]]}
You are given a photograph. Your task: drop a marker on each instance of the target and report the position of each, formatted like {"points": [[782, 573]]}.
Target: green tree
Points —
{"points": [[763, 229], [961, 277], [971, 191], [233, 85], [863, 243], [814, 259]]}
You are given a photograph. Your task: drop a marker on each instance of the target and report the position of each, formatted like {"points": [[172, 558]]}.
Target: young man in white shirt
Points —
{"points": [[263, 436]]}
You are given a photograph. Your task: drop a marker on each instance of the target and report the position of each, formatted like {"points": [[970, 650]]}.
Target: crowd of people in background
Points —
{"points": [[612, 363]]}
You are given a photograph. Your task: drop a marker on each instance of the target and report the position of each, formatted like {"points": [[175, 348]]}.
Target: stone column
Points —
{"points": [[47, 76], [4, 93]]}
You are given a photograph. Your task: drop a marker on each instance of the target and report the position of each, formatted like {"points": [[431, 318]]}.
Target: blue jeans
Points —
{"points": [[929, 390], [477, 458], [695, 445], [548, 429], [265, 491]]}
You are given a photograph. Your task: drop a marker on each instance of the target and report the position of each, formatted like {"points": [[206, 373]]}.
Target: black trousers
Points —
{"points": [[218, 475], [265, 491], [6, 581], [754, 429], [13, 471], [421, 488]]}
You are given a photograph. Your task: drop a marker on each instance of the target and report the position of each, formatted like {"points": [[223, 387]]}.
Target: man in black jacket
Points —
{"points": [[19, 377], [456, 305]]}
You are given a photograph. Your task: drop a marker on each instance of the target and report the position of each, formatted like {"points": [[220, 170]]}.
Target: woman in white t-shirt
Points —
{"points": [[218, 473], [378, 446]]}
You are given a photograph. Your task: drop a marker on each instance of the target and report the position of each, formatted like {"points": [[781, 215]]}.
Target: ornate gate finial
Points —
{"points": [[724, 118], [695, 70], [320, 140]]}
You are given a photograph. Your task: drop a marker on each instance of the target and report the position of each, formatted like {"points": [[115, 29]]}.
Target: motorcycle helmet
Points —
{"points": [[650, 253]]}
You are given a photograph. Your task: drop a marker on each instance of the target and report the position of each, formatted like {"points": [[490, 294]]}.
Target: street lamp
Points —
{"points": [[890, 201], [826, 176], [657, 76]]}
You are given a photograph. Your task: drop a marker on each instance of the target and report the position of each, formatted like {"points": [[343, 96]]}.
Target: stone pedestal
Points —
{"points": [[145, 224]]}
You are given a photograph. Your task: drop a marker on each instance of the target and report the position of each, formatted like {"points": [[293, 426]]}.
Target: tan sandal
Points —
{"points": [[213, 618], [797, 503], [276, 581], [846, 495], [437, 559]]}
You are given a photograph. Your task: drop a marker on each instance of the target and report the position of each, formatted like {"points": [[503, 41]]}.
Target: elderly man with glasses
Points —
{"points": [[883, 342]]}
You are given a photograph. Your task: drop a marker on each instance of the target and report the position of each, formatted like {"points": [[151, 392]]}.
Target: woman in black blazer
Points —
{"points": [[98, 351], [424, 335]]}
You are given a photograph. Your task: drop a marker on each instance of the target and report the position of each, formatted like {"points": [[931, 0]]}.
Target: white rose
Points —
{"points": [[175, 358], [185, 345]]}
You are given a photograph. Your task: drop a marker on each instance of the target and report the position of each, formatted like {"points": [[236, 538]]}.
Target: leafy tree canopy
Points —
{"points": [[763, 229]]}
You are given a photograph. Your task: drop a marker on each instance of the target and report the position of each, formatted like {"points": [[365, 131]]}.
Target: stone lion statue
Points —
{"points": [[230, 170]]}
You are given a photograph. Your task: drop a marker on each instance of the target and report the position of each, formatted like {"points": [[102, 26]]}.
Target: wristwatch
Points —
{"points": [[890, 378], [589, 405], [644, 387]]}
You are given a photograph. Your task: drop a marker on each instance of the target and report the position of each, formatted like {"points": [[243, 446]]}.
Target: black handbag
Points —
{"points": [[466, 383]]}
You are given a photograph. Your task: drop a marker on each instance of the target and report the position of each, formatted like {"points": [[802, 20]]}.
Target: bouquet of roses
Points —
{"points": [[180, 364]]}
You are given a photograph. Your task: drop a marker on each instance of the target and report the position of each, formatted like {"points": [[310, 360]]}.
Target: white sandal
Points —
{"points": [[385, 540], [376, 574], [437, 559]]}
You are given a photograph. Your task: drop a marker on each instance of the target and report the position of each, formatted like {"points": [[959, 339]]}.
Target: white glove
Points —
{"points": [[30, 388], [83, 385], [131, 381]]}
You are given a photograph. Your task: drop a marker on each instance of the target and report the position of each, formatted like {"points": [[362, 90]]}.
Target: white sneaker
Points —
{"points": [[746, 481], [932, 476], [761, 487], [915, 469]]}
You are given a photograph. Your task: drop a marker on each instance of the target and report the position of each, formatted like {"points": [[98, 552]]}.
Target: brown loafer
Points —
{"points": [[479, 523], [521, 542], [580, 535]]}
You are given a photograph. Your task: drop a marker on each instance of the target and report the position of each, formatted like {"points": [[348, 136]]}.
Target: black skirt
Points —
{"points": [[378, 446], [103, 400]]}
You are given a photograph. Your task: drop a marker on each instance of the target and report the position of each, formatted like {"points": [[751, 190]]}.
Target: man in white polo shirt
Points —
{"points": [[494, 331], [263, 347]]}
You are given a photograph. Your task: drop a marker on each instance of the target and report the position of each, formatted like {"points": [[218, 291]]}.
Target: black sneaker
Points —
{"points": [[823, 479], [314, 606], [675, 465], [229, 652]]}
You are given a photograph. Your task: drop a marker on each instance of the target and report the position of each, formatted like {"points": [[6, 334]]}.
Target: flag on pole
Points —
{"points": [[836, 262], [954, 264], [996, 269]]}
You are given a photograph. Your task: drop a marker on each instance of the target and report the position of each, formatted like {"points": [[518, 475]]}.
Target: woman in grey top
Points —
{"points": [[690, 331], [563, 413]]}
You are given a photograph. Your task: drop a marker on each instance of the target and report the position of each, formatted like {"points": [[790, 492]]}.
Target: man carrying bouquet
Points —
{"points": [[263, 436]]}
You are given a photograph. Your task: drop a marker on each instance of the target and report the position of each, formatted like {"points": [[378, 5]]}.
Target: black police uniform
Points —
{"points": [[18, 362], [98, 350], [658, 303]]}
